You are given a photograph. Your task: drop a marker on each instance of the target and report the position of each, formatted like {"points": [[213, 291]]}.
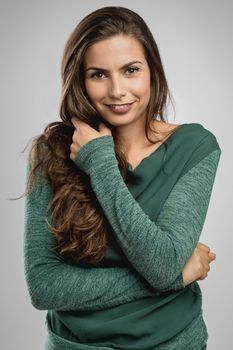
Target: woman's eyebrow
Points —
{"points": [[105, 70]]}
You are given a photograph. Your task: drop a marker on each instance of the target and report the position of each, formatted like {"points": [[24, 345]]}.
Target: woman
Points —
{"points": [[117, 199]]}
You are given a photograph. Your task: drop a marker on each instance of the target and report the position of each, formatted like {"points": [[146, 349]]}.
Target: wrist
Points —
{"points": [[95, 152]]}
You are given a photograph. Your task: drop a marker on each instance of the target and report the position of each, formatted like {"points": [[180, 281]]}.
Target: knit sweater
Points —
{"points": [[156, 241]]}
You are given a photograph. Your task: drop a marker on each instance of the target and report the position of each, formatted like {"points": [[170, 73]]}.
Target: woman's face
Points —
{"points": [[117, 73]]}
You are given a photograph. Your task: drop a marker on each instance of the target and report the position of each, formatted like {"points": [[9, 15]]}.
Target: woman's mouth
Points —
{"points": [[120, 108]]}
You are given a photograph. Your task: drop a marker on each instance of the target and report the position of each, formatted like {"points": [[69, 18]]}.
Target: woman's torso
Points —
{"points": [[149, 321]]}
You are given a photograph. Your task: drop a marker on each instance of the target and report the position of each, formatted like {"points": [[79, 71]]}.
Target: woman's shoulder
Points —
{"points": [[189, 143], [190, 128], [189, 134], [198, 128], [200, 136], [199, 142]]}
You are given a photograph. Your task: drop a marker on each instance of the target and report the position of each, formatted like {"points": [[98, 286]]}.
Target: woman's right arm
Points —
{"points": [[55, 284], [159, 249]]}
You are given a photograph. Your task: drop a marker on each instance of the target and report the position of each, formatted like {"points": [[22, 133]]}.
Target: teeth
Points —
{"points": [[119, 106]]}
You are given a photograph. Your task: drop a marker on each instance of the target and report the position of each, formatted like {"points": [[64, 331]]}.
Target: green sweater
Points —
{"points": [[135, 298]]}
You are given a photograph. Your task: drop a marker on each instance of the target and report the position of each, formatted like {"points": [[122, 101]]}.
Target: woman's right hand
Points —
{"points": [[197, 267]]}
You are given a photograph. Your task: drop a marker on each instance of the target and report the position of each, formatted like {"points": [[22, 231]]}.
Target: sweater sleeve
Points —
{"points": [[53, 283], [157, 250]]}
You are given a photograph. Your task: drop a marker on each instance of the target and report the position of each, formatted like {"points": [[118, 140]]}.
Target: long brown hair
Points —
{"points": [[77, 220]]}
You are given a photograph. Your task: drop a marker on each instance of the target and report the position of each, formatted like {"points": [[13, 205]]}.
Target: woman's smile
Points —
{"points": [[120, 108]]}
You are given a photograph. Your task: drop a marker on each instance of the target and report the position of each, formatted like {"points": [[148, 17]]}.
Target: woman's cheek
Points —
{"points": [[141, 86], [96, 92]]}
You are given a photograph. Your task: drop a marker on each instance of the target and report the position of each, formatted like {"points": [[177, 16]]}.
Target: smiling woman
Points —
{"points": [[117, 198]]}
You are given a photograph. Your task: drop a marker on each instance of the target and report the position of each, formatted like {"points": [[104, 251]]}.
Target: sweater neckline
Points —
{"points": [[157, 150]]}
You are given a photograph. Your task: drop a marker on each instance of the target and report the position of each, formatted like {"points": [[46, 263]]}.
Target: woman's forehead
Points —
{"points": [[121, 49]]}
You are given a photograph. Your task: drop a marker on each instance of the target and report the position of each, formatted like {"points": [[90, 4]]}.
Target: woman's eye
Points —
{"points": [[99, 74], [132, 70]]}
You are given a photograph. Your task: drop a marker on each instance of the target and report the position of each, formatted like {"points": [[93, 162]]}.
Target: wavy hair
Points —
{"points": [[77, 219]]}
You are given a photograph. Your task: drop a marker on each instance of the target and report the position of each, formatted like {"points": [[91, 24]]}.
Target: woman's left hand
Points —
{"points": [[84, 133]]}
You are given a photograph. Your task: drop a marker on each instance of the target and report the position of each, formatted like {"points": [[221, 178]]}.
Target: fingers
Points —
{"points": [[203, 246], [205, 259], [212, 256], [79, 124], [74, 122], [104, 130], [206, 266]]}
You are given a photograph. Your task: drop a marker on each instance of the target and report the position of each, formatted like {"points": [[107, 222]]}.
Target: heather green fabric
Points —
{"points": [[135, 298]]}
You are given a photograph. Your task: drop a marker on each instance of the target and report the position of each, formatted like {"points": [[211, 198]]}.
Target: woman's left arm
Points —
{"points": [[158, 251]]}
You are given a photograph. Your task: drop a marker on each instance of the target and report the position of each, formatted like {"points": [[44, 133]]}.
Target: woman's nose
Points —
{"points": [[117, 87]]}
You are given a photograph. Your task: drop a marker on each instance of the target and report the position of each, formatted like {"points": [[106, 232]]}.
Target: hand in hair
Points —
{"points": [[84, 133]]}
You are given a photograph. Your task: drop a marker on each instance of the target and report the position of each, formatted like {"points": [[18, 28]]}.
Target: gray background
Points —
{"points": [[195, 42]]}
